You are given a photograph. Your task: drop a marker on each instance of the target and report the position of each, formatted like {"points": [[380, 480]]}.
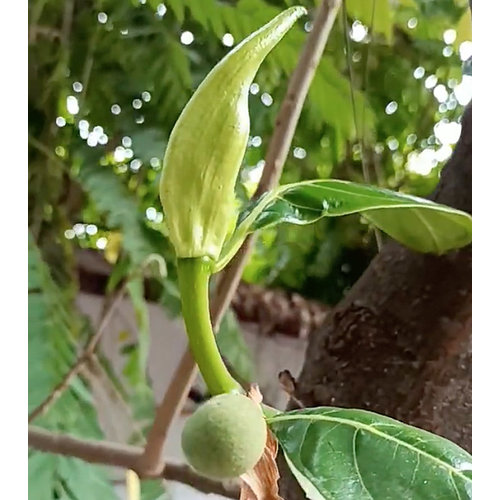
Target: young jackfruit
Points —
{"points": [[225, 437]]}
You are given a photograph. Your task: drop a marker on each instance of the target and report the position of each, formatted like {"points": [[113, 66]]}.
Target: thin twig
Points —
{"points": [[360, 136], [88, 65], [348, 56], [169, 408], [119, 455], [40, 146], [281, 140], [82, 359], [298, 87], [55, 161], [286, 122], [36, 13], [378, 234], [91, 451], [365, 76], [46, 31], [67, 22]]}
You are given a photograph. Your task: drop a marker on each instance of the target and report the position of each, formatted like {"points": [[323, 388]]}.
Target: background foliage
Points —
{"points": [[108, 79]]}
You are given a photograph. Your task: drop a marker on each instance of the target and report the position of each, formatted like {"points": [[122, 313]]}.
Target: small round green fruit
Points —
{"points": [[225, 437]]}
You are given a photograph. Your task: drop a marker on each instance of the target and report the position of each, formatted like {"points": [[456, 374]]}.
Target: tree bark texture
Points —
{"points": [[399, 343]]}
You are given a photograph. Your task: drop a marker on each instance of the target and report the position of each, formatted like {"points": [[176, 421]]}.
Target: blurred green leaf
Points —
{"points": [[41, 475], [177, 7], [84, 480], [234, 348], [378, 11], [114, 200], [153, 490], [52, 321], [51, 330], [464, 29], [149, 143]]}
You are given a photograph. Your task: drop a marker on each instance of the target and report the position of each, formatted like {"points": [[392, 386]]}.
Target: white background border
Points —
{"points": [[14, 248], [486, 274]]}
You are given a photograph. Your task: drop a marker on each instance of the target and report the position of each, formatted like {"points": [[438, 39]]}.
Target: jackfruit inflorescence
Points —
{"points": [[225, 437]]}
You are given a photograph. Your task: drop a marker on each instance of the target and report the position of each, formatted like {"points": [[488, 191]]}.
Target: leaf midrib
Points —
{"points": [[373, 430], [386, 206], [397, 200], [430, 230], [401, 197]]}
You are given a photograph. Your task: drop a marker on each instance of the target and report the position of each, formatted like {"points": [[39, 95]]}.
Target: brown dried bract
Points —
{"points": [[261, 483], [254, 394]]}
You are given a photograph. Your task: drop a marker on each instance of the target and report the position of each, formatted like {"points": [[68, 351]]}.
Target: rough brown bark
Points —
{"points": [[400, 342]]}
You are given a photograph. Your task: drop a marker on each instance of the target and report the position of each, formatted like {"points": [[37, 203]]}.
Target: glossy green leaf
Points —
{"points": [[341, 454], [420, 224]]}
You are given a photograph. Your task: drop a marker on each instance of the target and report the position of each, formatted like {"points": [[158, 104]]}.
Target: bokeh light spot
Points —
{"points": [[299, 153], [187, 38], [391, 108], [266, 99], [418, 73], [228, 40]]}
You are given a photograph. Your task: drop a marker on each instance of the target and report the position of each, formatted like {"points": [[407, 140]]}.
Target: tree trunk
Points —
{"points": [[399, 344]]}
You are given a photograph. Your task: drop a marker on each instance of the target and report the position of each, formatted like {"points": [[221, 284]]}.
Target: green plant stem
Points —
{"points": [[193, 275]]}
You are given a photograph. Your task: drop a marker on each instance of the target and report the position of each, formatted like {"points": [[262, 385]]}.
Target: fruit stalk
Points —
{"points": [[193, 276]]}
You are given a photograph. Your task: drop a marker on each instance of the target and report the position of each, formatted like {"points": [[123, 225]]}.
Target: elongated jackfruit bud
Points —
{"points": [[207, 145]]}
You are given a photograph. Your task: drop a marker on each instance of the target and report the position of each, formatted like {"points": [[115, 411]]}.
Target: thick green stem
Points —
{"points": [[193, 277]]}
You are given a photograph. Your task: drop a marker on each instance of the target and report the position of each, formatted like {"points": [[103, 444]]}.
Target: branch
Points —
{"points": [[169, 408], [46, 31], [279, 146], [46, 151], [66, 22], [92, 451], [183, 474], [82, 359], [286, 122], [292, 105], [360, 131], [119, 455]]}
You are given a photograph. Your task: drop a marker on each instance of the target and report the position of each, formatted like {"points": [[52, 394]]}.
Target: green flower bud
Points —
{"points": [[207, 145]]}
